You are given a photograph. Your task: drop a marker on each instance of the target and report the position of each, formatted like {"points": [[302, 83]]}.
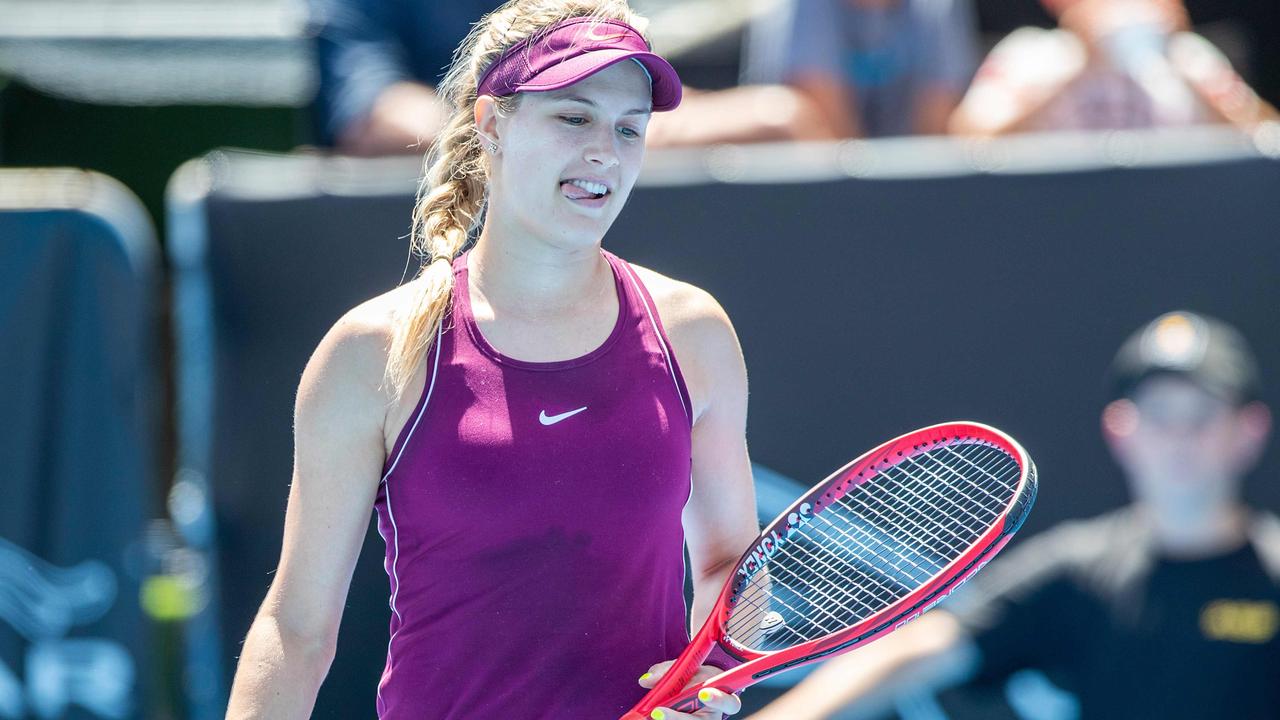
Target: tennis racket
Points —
{"points": [[866, 551]]}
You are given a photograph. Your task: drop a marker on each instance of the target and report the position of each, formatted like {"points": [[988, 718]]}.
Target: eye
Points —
{"points": [[629, 132], [575, 120]]}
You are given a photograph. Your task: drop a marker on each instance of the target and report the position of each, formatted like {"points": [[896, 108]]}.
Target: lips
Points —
{"points": [[580, 189]]}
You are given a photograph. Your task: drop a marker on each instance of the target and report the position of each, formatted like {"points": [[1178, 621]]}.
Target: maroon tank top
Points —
{"points": [[531, 512]]}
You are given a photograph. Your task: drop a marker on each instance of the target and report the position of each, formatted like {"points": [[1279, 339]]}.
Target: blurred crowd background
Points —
{"points": [[135, 88], [191, 191]]}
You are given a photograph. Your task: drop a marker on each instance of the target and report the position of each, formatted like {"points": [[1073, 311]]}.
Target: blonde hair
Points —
{"points": [[451, 197]]}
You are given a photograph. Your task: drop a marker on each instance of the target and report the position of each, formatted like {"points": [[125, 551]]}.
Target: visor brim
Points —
{"points": [[666, 83]]}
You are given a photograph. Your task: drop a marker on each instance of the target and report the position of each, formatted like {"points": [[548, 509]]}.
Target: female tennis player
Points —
{"points": [[541, 427]]}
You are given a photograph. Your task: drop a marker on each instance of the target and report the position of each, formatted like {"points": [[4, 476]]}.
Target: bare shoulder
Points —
{"points": [[702, 337], [346, 372], [686, 309]]}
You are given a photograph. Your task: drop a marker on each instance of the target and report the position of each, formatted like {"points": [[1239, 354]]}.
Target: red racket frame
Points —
{"points": [[670, 690]]}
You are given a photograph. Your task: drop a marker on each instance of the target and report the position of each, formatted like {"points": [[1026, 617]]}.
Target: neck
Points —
{"points": [[1204, 532], [534, 279]]}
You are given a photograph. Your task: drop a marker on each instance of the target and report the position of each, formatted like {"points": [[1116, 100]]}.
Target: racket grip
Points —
{"points": [[686, 703], [671, 685]]}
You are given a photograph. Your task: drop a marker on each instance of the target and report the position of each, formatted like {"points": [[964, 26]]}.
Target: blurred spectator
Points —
{"points": [[1252, 29], [1110, 64], [746, 114], [379, 63], [872, 67], [380, 60], [1168, 608]]}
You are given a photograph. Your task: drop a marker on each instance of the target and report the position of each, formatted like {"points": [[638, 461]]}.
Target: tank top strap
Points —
{"points": [[644, 312], [632, 298]]}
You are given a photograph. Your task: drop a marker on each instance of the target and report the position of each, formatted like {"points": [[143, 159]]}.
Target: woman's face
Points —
{"points": [[569, 157]]}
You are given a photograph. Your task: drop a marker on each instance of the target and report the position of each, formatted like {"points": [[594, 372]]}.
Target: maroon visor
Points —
{"points": [[574, 50]]}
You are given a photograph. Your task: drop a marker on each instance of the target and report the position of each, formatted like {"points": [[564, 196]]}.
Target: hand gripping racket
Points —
{"points": [[882, 540]]}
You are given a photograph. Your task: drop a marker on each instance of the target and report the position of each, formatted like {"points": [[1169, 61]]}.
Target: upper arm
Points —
{"points": [[794, 36], [834, 99], [796, 45], [720, 517], [948, 39], [945, 62], [358, 54], [934, 106], [814, 66], [1227, 96], [338, 456]]}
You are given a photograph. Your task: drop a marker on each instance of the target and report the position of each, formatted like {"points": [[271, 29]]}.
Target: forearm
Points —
{"points": [[1226, 94], [991, 114], [739, 115], [706, 590], [405, 118], [864, 675], [934, 107], [279, 673]]}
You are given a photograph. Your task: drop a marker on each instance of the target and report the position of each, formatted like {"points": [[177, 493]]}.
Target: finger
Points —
{"points": [[722, 702], [716, 705], [705, 673], [664, 713], [655, 673]]}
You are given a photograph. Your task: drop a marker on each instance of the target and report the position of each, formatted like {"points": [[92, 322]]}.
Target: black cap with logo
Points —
{"points": [[1205, 350]]}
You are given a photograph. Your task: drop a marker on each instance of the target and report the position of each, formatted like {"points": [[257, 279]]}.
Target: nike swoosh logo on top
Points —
{"points": [[553, 419], [593, 33]]}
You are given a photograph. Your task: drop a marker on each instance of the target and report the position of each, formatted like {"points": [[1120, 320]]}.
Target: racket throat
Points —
{"points": [[677, 677]]}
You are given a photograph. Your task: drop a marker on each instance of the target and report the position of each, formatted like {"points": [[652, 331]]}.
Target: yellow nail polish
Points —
{"points": [[657, 715], [645, 676], [704, 695]]}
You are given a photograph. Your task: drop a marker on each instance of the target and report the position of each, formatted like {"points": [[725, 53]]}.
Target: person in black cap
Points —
{"points": [[1168, 608]]}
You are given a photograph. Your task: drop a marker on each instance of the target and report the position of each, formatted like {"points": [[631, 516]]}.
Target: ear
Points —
{"points": [[486, 117], [1253, 426], [1119, 421], [1055, 7]]}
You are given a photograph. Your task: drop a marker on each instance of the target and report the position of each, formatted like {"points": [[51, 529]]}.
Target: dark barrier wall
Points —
{"points": [[264, 264], [927, 288], [866, 308], [77, 426]]}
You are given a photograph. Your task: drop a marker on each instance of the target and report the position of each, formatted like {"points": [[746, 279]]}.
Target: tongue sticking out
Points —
{"points": [[574, 192]]}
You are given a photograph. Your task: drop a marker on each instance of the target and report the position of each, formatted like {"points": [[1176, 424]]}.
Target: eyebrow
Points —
{"points": [[592, 103]]}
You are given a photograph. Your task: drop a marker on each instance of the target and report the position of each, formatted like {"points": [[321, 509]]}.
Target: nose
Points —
{"points": [[600, 149]]}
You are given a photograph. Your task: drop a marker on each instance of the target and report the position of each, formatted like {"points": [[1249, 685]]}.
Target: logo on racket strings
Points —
{"points": [[771, 620], [772, 543]]}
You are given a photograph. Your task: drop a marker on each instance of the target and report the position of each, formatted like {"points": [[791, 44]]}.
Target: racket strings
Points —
{"points": [[970, 520], [790, 581], [918, 573], [826, 620], [869, 548], [889, 561]]}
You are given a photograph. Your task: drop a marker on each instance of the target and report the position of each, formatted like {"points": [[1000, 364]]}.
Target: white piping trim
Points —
{"points": [[640, 293], [430, 387], [631, 273], [684, 567], [395, 531]]}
